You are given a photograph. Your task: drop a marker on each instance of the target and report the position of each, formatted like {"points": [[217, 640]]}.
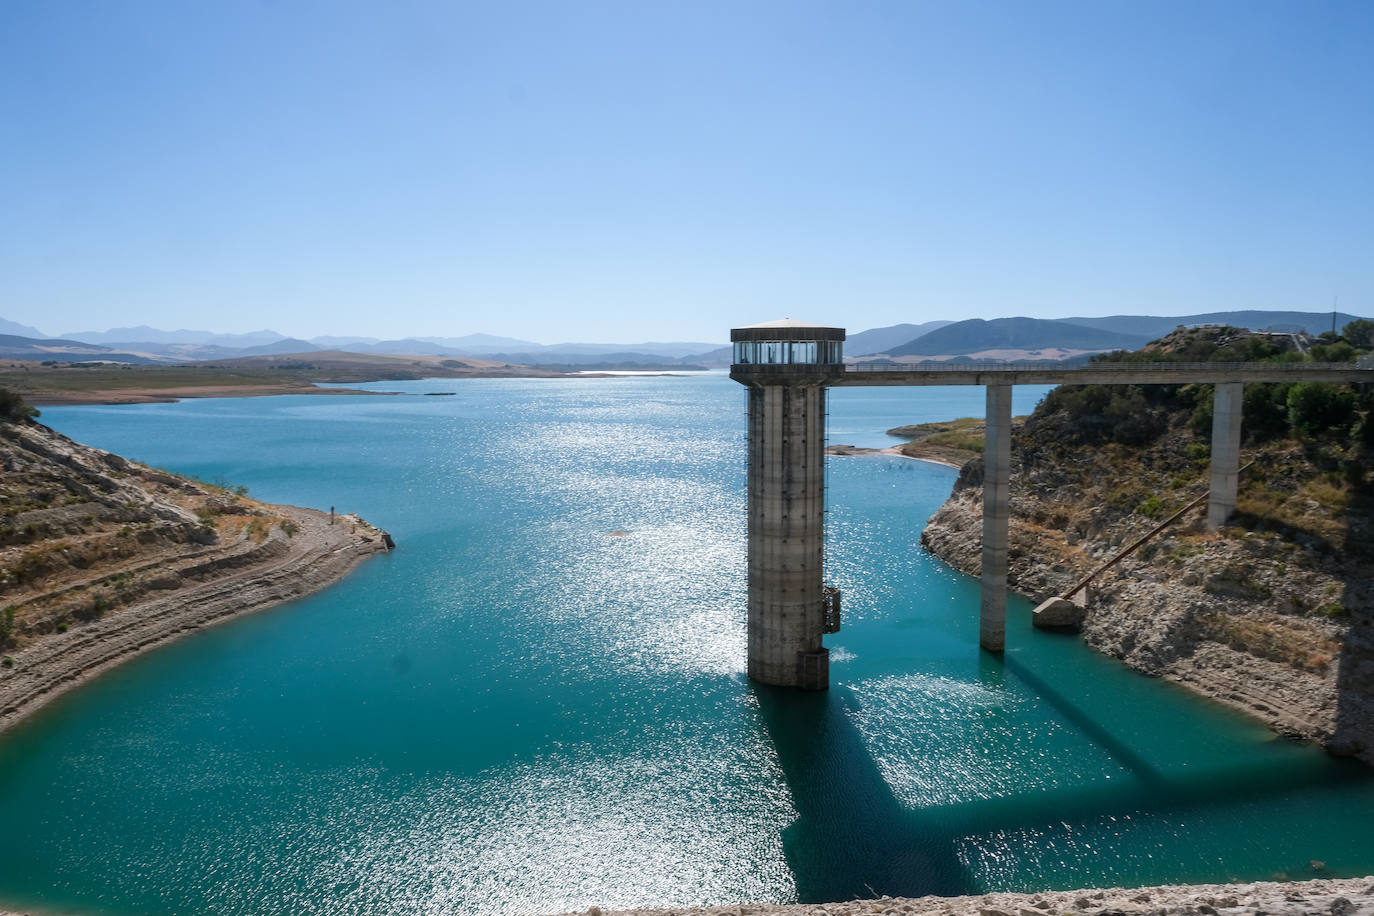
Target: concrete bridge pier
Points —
{"points": [[1227, 407], [992, 618]]}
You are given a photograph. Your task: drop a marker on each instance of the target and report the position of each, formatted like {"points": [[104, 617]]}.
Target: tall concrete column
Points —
{"points": [[787, 534], [1226, 414], [992, 619]]}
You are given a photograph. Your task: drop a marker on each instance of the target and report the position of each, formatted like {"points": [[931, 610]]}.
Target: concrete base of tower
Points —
{"points": [[809, 671], [784, 649]]}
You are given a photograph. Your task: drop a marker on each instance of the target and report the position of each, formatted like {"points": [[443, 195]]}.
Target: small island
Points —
{"points": [[949, 442]]}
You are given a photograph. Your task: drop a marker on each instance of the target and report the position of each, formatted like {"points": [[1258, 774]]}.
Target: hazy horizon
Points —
{"points": [[623, 173]]}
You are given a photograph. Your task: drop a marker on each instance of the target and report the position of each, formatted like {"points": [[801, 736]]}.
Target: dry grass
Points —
{"points": [[1276, 640]]}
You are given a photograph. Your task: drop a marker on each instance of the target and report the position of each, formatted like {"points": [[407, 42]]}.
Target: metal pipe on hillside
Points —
{"points": [[1129, 550]]}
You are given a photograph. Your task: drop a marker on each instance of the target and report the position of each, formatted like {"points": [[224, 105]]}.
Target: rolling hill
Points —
{"points": [[13, 347], [977, 335], [883, 340], [1152, 326]]}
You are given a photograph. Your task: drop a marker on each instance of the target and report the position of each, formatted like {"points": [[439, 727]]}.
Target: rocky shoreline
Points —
{"points": [[102, 559], [206, 592], [1272, 629], [1334, 896]]}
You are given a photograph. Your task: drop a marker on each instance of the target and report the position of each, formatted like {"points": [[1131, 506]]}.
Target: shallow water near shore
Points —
{"points": [[521, 712]]}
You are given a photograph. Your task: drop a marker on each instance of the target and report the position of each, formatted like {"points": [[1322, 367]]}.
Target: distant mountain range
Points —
{"points": [[881, 340], [975, 337], [123, 337], [15, 329]]}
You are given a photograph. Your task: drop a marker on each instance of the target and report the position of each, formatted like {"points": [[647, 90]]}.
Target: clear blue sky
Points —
{"points": [[648, 171]]}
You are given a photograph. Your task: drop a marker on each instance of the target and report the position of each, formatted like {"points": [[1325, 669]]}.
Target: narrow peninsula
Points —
{"points": [[102, 558]]}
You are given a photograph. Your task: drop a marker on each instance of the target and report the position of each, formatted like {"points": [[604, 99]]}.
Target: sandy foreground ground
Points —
{"points": [[283, 569], [1334, 896]]}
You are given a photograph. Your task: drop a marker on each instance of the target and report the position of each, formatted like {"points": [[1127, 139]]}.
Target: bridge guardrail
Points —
{"points": [[1163, 367]]}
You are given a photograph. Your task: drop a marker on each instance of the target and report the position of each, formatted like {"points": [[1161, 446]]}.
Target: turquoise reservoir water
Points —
{"points": [[519, 713]]}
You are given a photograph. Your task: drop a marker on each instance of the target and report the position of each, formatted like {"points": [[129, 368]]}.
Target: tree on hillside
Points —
{"points": [[1359, 334], [1314, 407], [13, 409]]}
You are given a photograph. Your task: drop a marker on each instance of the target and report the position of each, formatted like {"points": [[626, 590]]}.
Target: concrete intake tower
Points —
{"points": [[787, 366]]}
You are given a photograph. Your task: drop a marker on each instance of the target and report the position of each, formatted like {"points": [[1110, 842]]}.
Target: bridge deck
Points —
{"points": [[1118, 374]]}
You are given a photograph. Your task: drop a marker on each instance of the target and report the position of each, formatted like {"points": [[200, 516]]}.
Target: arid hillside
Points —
{"points": [[1273, 614], [100, 557]]}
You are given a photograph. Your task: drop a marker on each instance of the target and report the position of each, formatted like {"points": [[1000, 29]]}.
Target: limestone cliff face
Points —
{"points": [[1274, 616]]}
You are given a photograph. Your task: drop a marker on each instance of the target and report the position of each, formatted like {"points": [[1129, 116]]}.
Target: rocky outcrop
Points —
{"points": [[1260, 621], [1273, 614]]}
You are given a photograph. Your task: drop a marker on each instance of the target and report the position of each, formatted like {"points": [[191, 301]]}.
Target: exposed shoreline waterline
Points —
{"points": [[321, 552], [895, 451]]}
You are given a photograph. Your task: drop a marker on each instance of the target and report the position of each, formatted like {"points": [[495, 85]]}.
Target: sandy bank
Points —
{"points": [[196, 594], [1337, 897], [911, 450]]}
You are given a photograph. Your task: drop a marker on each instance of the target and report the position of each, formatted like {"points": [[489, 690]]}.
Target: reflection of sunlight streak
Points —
{"points": [[653, 600], [940, 741], [1052, 852], [559, 834]]}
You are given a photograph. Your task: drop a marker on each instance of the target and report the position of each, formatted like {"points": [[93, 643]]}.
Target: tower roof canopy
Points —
{"points": [[787, 329]]}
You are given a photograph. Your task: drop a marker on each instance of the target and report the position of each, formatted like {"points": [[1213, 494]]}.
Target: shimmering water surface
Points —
{"points": [[518, 712]]}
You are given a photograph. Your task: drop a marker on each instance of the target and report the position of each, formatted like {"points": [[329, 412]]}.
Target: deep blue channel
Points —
{"points": [[520, 712]]}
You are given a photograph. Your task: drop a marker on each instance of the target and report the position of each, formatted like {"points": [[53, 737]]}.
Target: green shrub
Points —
{"points": [[1122, 414], [1201, 420], [1360, 333], [1265, 412], [13, 408], [1338, 352], [1317, 407], [1151, 507]]}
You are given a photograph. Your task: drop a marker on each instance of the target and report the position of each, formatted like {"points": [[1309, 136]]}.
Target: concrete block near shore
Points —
{"points": [[1057, 614]]}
